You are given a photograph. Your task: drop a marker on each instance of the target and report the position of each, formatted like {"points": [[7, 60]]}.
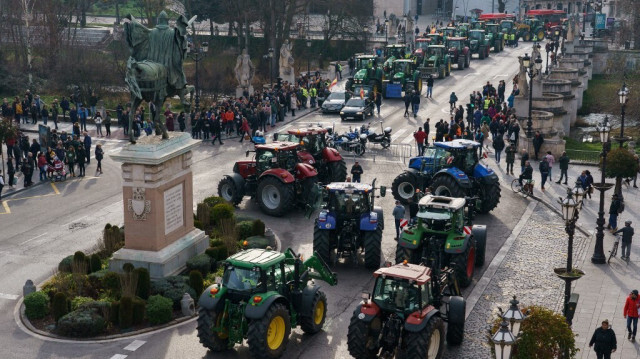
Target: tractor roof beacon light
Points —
{"points": [[514, 316], [526, 61], [623, 94], [604, 129], [538, 63], [503, 339]]}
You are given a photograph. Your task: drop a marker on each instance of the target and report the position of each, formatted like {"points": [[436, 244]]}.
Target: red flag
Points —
{"points": [[333, 83], [361, 92]]}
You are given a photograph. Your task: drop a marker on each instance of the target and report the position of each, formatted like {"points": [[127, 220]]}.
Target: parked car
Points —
{"points": [[334, 102], [357, 109]]}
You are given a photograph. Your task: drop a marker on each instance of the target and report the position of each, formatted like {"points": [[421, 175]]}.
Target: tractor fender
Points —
{"points": [[484, 174], [453, 244], [331, 155], [308, 293], [304, 170], [369, 312], [417, 320], [380, 213], [257, 311], [465, 50], [411, 238], [460, 177], [279, 173], [306, 157], [210, 301], [329, 221], [369, 221]]}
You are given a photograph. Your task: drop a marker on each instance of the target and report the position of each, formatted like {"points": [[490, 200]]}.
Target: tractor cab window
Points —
{"points": [[425, 295], [422, 45], [394, 294], [454, 44], [436, 219], [284, 137], [402, 66], [266, 160], [459, 218], [288, 160], [241, 279], [350, 204], [311, 144], [271, 278], [476, 35], [470, 159], [434, 51]]}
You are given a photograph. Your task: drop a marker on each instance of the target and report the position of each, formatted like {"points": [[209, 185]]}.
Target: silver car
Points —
{"points": [[334, 102]]}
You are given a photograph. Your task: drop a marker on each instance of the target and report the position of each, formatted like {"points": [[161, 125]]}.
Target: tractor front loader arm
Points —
{"points": [[318, 269]]}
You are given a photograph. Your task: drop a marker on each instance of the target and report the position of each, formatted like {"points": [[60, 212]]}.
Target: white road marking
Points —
{"points": [[36, 237], [118, 356], [471, 74], [496, 76], [9, 296], [409, 139], [398, 134], [134, 345]]}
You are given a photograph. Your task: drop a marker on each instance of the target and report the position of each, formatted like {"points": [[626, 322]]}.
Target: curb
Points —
{"points": [[19, 190]]}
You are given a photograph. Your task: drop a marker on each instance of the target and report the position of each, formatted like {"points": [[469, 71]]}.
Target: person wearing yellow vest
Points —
{"points": [[486, 103], [314, 94], [305, 95], [512, 39]]}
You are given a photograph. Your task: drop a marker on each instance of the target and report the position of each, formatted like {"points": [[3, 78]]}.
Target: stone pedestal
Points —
{"points": [[240, 91], [542, 121], [157, 194]]}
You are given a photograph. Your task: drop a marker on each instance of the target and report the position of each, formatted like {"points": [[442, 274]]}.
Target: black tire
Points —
{"points": [[311, 324], [216, 342], [448, 68], [279, 198], [384, 90], [409, 86], [386, 142], [490, 197], [419, 345], [455, 326], [349, 85], [467, 62], [480, 236], [481, 53], [540, 35], [464, 265], [259, 330], [419, 86], [322, 243], [461, 62], [403, 253], [360, 149], [358, 336], [445, 185], [229, 192], [442, 72], [337, 171], [527, 37], [372, 244], [307, 188], [404, 187]]}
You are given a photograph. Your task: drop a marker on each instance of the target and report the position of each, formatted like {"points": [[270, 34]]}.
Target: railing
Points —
{"points": [[584, 157]]}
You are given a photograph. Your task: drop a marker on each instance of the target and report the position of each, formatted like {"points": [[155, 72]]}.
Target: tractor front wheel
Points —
{"points": [[215, 341], [228, 190], [372, 248], [490, 197], [455, 327], [322, 243], [314, 320], [427, 343], [467, 62], [269, 335], [527, 37], [445, 185], [461, 62], [481, 53], [403, 254], [274, 196], [480, 236], [361, 339], [464, 265], [404, 187], [337, 171]]}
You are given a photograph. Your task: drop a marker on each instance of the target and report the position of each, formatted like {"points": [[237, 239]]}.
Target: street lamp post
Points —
{"points": [[504, 339], [199, 53], [623, 95], [386, 32], [366, 32], [570, 214], [533, 70], [308, 56], [548, 48], [598, 252], [271, 52]]}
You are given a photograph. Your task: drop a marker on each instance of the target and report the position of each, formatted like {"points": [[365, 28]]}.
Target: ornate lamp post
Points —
{"points": [[308, 56], [548, 48], [271, 52], [514, 316], [598, 252], [533, 70], [570, 214], [623, 95], [366, 32], [509, 330], [198, 54]]}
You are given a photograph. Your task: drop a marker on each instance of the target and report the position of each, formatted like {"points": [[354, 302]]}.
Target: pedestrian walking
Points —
{"points": [[415, 103], [479, 137], [338, 69], [217, 131], [356, 172], [614, 209], [627, 237], [498, 146], [511, 156], [425, 128], [564, 167], [604, 341], [245, 130], [398, 216], [550, 160], [430, 86], [107, 123], [452, 101], [97, 119], [294, 104], [99, 153], [630, 312], [407, 103], [378, 101], [420, 137], [544, 171], [538, 140], [87, 147]]}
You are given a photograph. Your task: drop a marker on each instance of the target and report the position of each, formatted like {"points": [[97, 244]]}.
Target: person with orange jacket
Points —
{"points": [[630, 312]]}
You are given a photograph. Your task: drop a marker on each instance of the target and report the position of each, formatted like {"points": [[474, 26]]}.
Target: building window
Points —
{"points": [[548, 6]]}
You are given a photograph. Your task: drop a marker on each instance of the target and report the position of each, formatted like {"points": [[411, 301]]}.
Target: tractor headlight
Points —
{"points": [[373, 217], [359, 113], [322, 217]]}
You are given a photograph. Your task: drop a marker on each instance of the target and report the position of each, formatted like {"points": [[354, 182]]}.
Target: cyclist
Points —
{"points": [[527, 172], [627, 236]]}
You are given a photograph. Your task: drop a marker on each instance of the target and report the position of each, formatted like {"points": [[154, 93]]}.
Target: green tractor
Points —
{"points": [[261, 296], [436, 62], [392, 53], [496, 37], [463, 29], [477, 25], [404, 76], [533, 30], [367, 73], [440, 238], [478, 43]]}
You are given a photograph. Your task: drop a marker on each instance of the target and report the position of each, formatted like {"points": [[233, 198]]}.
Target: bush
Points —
{"points": [[222, 211], [198, 224], [216, 242], [95, 279], [114, 313], [95, 263], [201, 263], [196, 282], [79, 263], [77, 302], [128, 267], [138, 311], [65, 264], [81, 323], [203, 214], [159, 309], [144, 283], [172, 288], [244, 230], [256, 242], [217, 253], [112, 240], [125, 312], [59, 307], [213, 201], [111, 283], [36, 305], [258, 228]]}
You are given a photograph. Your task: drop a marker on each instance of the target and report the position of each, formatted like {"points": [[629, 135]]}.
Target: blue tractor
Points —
{"points": [[450, 169], [349, 222]]}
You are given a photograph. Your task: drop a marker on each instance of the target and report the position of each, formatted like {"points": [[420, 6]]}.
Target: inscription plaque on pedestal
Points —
{"points": [[173, 209]]}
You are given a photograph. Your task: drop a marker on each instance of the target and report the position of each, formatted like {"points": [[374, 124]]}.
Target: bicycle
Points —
{"points": [[614, 251], [526, 189]]}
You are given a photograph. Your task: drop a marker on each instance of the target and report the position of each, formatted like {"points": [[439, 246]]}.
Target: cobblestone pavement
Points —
{"points": [[526, 271]]}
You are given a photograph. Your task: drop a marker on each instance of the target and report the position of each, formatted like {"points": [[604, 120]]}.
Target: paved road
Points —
{"points": [[69, 216]]}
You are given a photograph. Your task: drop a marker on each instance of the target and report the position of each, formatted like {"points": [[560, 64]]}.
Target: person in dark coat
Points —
{"points": [[217, 131], [538, 140], [87, 147], [627, 237], [564, 167], [604, 341], [614, 209], [407, 104], [511, 156], [378, 101], [498, 146], [356, 172], [523, 159]]}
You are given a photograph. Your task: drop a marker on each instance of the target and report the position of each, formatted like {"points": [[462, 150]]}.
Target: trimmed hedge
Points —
{"points": [[125, 313], [213, 201], [36, 305], [139, 307], [65, 264], [159, 309], [81, 323], [222, 211], [196, 282], [244, 230], [59, 306], [172, 288], [258, 228], [201, 263], [144, 283]]}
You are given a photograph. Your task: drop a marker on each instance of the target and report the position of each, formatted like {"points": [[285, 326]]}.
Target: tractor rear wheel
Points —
{"points": [[447, 186], [442, 72], [479, 233], [455, 327], [540, 35], [464, 265], [481, 53], [448, 67], [314, 321], [419, 85], [361, 338], [527, 37], [269, 335], [322, 243], [468, 60], [372, 245], [228, 190], [215, 341], [461, 62], [337, 171], [404, 187], [427, 343], [274, 196], [403, 254], [490, 197]]}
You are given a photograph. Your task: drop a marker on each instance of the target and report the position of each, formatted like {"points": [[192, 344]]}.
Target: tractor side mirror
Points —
{"points": [[383, 191]]}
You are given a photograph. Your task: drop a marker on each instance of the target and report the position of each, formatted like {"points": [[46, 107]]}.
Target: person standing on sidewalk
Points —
{"points": [[564, 166], [498, 146], [614, 208], [356, 172], [11, 170], [99, 156], [97, 119], [511, 157], [87, 147], [407, 103], [630, 312], [604, 341], [544, 171], [430, 87], [550, 161], [627, 237], [538, 140], [420, 136], [398, 216]]}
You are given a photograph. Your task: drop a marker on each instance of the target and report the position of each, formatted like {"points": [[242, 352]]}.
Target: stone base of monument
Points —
{"points": [[240, 91], [157, 192]]}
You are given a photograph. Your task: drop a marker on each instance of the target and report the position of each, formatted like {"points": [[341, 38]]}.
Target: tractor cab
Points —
{"points": [[397, 51], [402, 68], [402, 289], [477, 35], [478, 25], [456, 44], [507, 26], [436, 50], [463, 29], [421, 46], [277, 155], [348, 199], [442, 214], [366, 62], [449, 31], [435, 39], [460, 153], [251, 271]]}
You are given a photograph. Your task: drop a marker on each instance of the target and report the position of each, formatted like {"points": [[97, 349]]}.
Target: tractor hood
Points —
{"points": [[398, 76], [360, 75]]}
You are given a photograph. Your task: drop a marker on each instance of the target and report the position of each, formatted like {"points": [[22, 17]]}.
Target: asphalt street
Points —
{"points": [[42, 225]]}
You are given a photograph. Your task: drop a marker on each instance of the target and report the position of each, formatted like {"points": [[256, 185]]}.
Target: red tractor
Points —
{"points": [[459, 51], [276, 179], [313, 150]]}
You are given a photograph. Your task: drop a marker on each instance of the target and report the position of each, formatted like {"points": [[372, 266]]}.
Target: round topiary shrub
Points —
{"points": [[159, 309], [111, 283], [213, 201], [144, 283], [59, 306], [196, 282], [128, 267], [258, 228], [201, 263], [65, 264], [81, 323], [244, 230], [95, 263], [222, 211], [36, 305], [139, 306]]}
